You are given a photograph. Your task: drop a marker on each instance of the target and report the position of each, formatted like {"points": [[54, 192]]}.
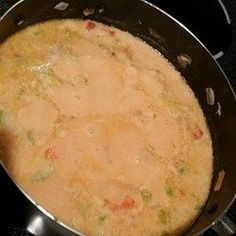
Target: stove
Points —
{"points": [[214, 23]]}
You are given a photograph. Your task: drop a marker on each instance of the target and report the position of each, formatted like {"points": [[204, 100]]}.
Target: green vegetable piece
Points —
{"points": [[159, 74], [146, 195], [181, 171], [3, 117], [31, 137], [20, 92], [169, 191], [101, 219], [151, 150], [69, 53], [198, 206], [117, 40], [164, 216], [51, 76], [84, 80], [69, 33], [103, 45], [36, 33], [43, 174]]}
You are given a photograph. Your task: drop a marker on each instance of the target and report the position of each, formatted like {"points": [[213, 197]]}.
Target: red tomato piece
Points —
{"points": [[112, 33], [127, 203], [182, 192], [197, 133], [90, 25], [51, 153]]}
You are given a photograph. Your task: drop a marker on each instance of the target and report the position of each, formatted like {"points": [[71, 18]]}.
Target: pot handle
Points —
{"points": [[224, 227]]}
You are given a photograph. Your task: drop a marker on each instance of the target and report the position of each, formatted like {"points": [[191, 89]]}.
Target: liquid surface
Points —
{"points": [[100, 130]]}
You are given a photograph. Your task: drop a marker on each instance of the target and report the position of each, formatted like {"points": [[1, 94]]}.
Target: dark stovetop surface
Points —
{"points": [[217, 37]]}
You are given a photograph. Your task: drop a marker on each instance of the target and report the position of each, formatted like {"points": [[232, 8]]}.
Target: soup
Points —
{"points": [[100, 130]]}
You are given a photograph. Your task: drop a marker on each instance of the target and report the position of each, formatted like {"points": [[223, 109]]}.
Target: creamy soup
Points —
{"points": [[101, 130]]}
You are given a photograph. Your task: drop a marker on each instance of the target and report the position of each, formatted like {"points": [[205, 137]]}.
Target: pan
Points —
{"points": [[185, 52]]}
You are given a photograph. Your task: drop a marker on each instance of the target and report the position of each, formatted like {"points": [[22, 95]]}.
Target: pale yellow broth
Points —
{"points": [[101, 130]]}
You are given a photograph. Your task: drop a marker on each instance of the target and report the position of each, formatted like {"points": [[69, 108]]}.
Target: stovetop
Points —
{"points": [[214, 23]]}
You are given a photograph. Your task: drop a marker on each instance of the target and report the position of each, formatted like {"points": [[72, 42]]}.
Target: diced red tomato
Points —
{"points": [[182, 192], [112, 33], [51, 153], [126, 204], [16, 54], [127, 51], [177, 163], [90, 25], [197, 133]]}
